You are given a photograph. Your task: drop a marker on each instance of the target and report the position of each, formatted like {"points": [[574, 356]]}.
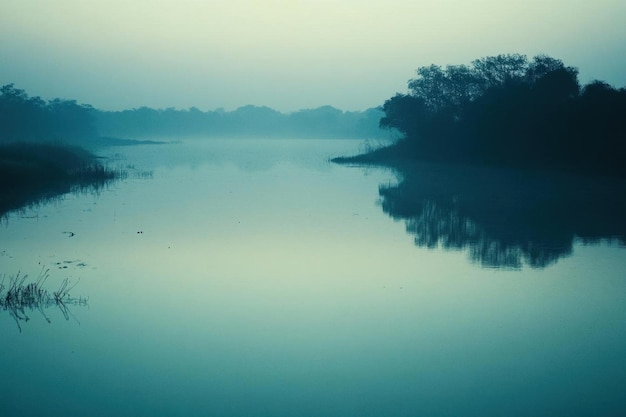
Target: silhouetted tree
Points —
{"points": [[506, 110], [495, 71], [21, 117], [31, 118], [600, 127], [409, 114], [540, 66]]}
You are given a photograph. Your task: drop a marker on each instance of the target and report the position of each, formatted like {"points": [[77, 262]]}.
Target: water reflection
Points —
{"points": [[17, 296], [48, 193], [505, 218], [31, 198]]}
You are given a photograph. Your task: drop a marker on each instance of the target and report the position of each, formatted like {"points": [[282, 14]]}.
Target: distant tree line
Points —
{"points": [[246, 121], [24, 118], [511, 111]]}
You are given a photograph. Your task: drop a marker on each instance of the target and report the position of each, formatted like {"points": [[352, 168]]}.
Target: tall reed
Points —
{"points": [[19, 297]]}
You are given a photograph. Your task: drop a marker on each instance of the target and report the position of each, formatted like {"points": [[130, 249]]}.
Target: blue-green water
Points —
{"points": [[254, 278]]}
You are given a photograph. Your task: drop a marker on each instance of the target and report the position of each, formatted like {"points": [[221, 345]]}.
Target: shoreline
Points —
{"points": [[31, 173]]}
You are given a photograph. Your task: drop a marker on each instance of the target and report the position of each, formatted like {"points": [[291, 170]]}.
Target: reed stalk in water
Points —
{"points": [[18, 296]]}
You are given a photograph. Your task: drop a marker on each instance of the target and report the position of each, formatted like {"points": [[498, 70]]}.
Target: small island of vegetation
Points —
{"points": [[506, 110]]}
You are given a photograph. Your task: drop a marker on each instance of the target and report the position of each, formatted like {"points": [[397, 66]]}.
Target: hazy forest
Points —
{"points": [[24, 117]]}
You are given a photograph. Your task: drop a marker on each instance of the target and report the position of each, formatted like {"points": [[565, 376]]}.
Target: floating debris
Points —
{"points": [[66, 264]]}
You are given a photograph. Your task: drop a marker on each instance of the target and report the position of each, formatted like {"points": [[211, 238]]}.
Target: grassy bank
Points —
{"points": [[35, 172]]}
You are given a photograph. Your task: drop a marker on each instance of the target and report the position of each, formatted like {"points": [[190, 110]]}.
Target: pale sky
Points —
{"points": [[286, 54]]}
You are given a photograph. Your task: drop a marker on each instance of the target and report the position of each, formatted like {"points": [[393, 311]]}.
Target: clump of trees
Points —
{"points": [[24, 118], [511, 111]]}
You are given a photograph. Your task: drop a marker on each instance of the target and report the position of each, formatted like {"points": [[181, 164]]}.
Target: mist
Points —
{"points": [[281, 54], [312, 208]]}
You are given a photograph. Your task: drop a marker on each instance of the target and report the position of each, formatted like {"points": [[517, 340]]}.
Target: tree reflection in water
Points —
{"points": [[504, 217], [16, 297]]}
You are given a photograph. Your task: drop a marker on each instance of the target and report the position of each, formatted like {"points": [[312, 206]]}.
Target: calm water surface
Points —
{"points": [[254, 278]]}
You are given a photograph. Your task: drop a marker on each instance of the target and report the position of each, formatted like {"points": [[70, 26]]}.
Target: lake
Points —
{"points": [[255, 278]]}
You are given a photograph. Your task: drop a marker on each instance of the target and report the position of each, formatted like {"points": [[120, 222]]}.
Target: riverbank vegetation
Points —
{"points": [[507, 110], [32, 172], [40, 157]]}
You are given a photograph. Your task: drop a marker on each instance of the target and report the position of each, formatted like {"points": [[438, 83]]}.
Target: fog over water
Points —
{"points": [[254, 277], [239, 237]]}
